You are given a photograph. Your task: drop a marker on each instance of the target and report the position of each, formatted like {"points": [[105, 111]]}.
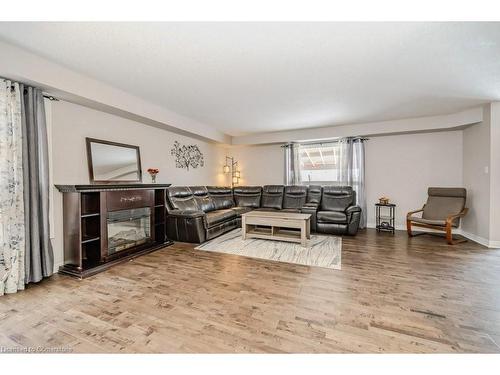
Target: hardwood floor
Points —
{"points": [[393, 294]]}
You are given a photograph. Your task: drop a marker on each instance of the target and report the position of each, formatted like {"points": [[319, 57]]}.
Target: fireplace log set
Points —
{"points": [[108, 224]]}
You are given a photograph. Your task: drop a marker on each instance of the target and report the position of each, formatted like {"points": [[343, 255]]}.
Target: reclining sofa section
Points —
{"points": [[199, 213]]}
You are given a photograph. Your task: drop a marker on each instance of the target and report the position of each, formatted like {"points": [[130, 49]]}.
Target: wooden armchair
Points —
{"points": [[443, 211]]}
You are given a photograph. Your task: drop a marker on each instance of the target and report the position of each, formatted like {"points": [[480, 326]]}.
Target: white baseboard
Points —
{"points": [[470, 236], [480, 240], [57, 264], [403, 227]]}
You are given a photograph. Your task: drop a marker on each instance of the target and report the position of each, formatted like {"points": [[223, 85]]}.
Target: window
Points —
{"points": [[319, 163], [326, 164]]}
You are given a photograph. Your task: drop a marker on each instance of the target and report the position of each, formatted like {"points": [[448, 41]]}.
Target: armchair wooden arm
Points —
{"points": [[449, 224], [413, 212], [451, 218]]}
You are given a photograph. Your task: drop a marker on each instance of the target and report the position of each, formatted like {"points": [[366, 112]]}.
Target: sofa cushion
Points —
{"points": [[247, 196], [181, 198], [295, 196], [222, 196], [337, 217], [241, 210], [219, 216], [272, 196], [337, 198], [204, 201]]}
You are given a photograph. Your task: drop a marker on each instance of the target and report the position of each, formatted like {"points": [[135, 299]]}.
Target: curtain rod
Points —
{"points": [[47, 96], [337, 140]]}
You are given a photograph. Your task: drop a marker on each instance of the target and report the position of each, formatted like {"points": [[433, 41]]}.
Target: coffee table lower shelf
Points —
{"points": [[273, 233]]}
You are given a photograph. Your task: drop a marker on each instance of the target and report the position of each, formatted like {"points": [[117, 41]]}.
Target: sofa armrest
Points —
{"points": [[351, 211], [186, 226], [186, 213], [353, 217]]}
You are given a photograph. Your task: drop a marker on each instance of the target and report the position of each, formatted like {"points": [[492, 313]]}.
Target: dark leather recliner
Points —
{"points": [[192, 215], [337, 212]]}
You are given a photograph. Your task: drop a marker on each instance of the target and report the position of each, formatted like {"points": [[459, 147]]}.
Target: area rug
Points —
{"points": [[321, 251]]}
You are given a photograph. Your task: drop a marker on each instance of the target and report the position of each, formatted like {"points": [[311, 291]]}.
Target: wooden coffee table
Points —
{"points": [[281, 226]]}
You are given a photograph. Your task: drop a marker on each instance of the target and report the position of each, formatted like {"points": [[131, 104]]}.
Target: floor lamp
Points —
{"points": [[231, 166]]}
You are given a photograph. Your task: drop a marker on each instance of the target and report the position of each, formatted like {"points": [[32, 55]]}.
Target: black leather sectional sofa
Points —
{"points": [[200, 213]]}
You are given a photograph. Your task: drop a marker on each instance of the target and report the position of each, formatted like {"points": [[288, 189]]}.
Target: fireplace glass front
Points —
{"points": [[128, 228]]}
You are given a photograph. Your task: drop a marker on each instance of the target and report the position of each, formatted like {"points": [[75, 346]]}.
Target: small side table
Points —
{"points": [[385, 217]]}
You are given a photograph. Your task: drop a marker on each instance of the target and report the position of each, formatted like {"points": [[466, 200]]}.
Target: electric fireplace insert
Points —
{"points": [[128, 228]]}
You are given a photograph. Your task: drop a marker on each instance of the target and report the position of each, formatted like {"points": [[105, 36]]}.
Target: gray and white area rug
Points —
{"points": [[321, 251]]}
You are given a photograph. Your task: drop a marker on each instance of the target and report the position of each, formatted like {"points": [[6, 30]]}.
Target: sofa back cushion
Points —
{"points": [[443, 202], [314, 194], [272, 196], [204, 201], [181, 198], [295, 196], [221, 196], [337, 198], [247, 196]]}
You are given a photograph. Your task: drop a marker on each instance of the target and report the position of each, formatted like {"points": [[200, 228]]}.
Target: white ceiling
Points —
{"points": [[254, 77]]}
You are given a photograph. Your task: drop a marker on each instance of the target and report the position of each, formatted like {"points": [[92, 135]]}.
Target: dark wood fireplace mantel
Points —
{"points": [[105, 187], [86, 209]]}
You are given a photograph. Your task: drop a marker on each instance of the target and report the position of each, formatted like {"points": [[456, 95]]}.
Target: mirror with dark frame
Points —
{"points": [[112, 162]]}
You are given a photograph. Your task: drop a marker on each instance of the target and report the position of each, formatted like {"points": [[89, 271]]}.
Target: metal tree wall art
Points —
{"points": [[187, 156]]}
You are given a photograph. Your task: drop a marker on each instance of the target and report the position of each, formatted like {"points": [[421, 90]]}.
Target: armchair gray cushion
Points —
{"points": [[443, 202], [429, 221]]}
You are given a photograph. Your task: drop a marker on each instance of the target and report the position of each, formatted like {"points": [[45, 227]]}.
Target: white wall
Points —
{"points": [[495, 174], [476, 160], [259, 165], [401, 167], [71, 123]]}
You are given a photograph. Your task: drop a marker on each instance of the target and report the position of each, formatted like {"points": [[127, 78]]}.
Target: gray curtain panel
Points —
{"points": [[39, 257], [358, 154], [292, 164], [352, 170]]}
